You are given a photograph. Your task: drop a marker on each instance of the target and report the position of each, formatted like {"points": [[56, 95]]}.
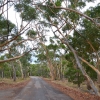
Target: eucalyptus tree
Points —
{"points": [[45, 56], [9, 32], [25, 65], [63, 17], [66, 18]]}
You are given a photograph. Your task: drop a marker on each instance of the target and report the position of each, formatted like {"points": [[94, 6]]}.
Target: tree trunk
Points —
{"points": [[98, 78], [78, 79], [14, 74], [21, 68], [51, 68], [10, 73], [61, 74], [2, 73], [81, 68], [98, 67], [51, 71], [25, 73]]}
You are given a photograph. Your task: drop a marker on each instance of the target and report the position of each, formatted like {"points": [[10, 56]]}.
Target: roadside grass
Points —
{"points": [[64, 82], [10, 81]]}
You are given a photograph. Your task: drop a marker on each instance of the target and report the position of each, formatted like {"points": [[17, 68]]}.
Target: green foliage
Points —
{"points": [[73, 16], [49, 9], [74, 75], [88, 33], [4, 70], [55, 22], [27, 1], [51, 40], [77, 3], [94, 11], [4, 26], [41, 57], [58, 3], [31, 33], [54, 47], [62, 46], [66, 27], [25, 60], [39, 70], [81, 4], [28, 13], [90, 71], [69, 56]]}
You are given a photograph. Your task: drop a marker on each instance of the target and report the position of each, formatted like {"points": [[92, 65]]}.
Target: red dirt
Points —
{"points": [[74, 93], [11, 90], [4, 85]]}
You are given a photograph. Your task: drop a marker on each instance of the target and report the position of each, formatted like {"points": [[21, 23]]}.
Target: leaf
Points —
{"points": [[31, 33], [28, 14]]}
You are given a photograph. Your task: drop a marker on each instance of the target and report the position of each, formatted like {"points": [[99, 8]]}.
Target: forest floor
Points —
{"points": [[10, 89], [9, 83], [72, 90]]}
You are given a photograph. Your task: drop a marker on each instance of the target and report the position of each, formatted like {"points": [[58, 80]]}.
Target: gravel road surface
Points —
{"points": [[38, 89]]}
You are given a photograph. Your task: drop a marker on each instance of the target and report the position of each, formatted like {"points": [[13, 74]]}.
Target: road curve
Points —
{"points": [[38, 89]]}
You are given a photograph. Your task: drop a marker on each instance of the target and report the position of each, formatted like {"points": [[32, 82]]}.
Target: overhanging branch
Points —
{"points": [[17, 57]]}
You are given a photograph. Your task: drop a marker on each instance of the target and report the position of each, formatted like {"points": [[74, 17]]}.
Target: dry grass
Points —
{"points": [[10, 81], [65, 83], [71, 90], [83, 87]]}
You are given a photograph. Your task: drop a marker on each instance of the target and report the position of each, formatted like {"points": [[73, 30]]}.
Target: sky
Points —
{"points": [[15, 17]]}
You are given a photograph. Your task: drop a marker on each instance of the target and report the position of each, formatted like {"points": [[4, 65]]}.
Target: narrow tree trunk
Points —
{"points": [[61, 67], [64, 71], [98, 78], [52, 74], [14, 74], [78, 79], [81, 68], [25, 73], [51, 71], [2, 74], [58, 72], [98, 67], [30, 71], [21, 68], [10, 72]]}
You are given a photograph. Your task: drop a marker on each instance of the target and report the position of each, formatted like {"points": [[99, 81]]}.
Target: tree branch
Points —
{"points": [[17, 57]]}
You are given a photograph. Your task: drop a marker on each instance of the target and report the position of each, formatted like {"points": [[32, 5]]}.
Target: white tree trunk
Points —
{"points": [[81, 68], [21, 68]]}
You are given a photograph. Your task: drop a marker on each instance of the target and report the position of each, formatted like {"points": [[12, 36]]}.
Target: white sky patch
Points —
{"points": [[91, 4], [14, 16]]}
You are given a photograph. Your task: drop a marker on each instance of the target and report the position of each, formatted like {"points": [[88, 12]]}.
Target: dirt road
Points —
{"points": [[37, 89]]}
